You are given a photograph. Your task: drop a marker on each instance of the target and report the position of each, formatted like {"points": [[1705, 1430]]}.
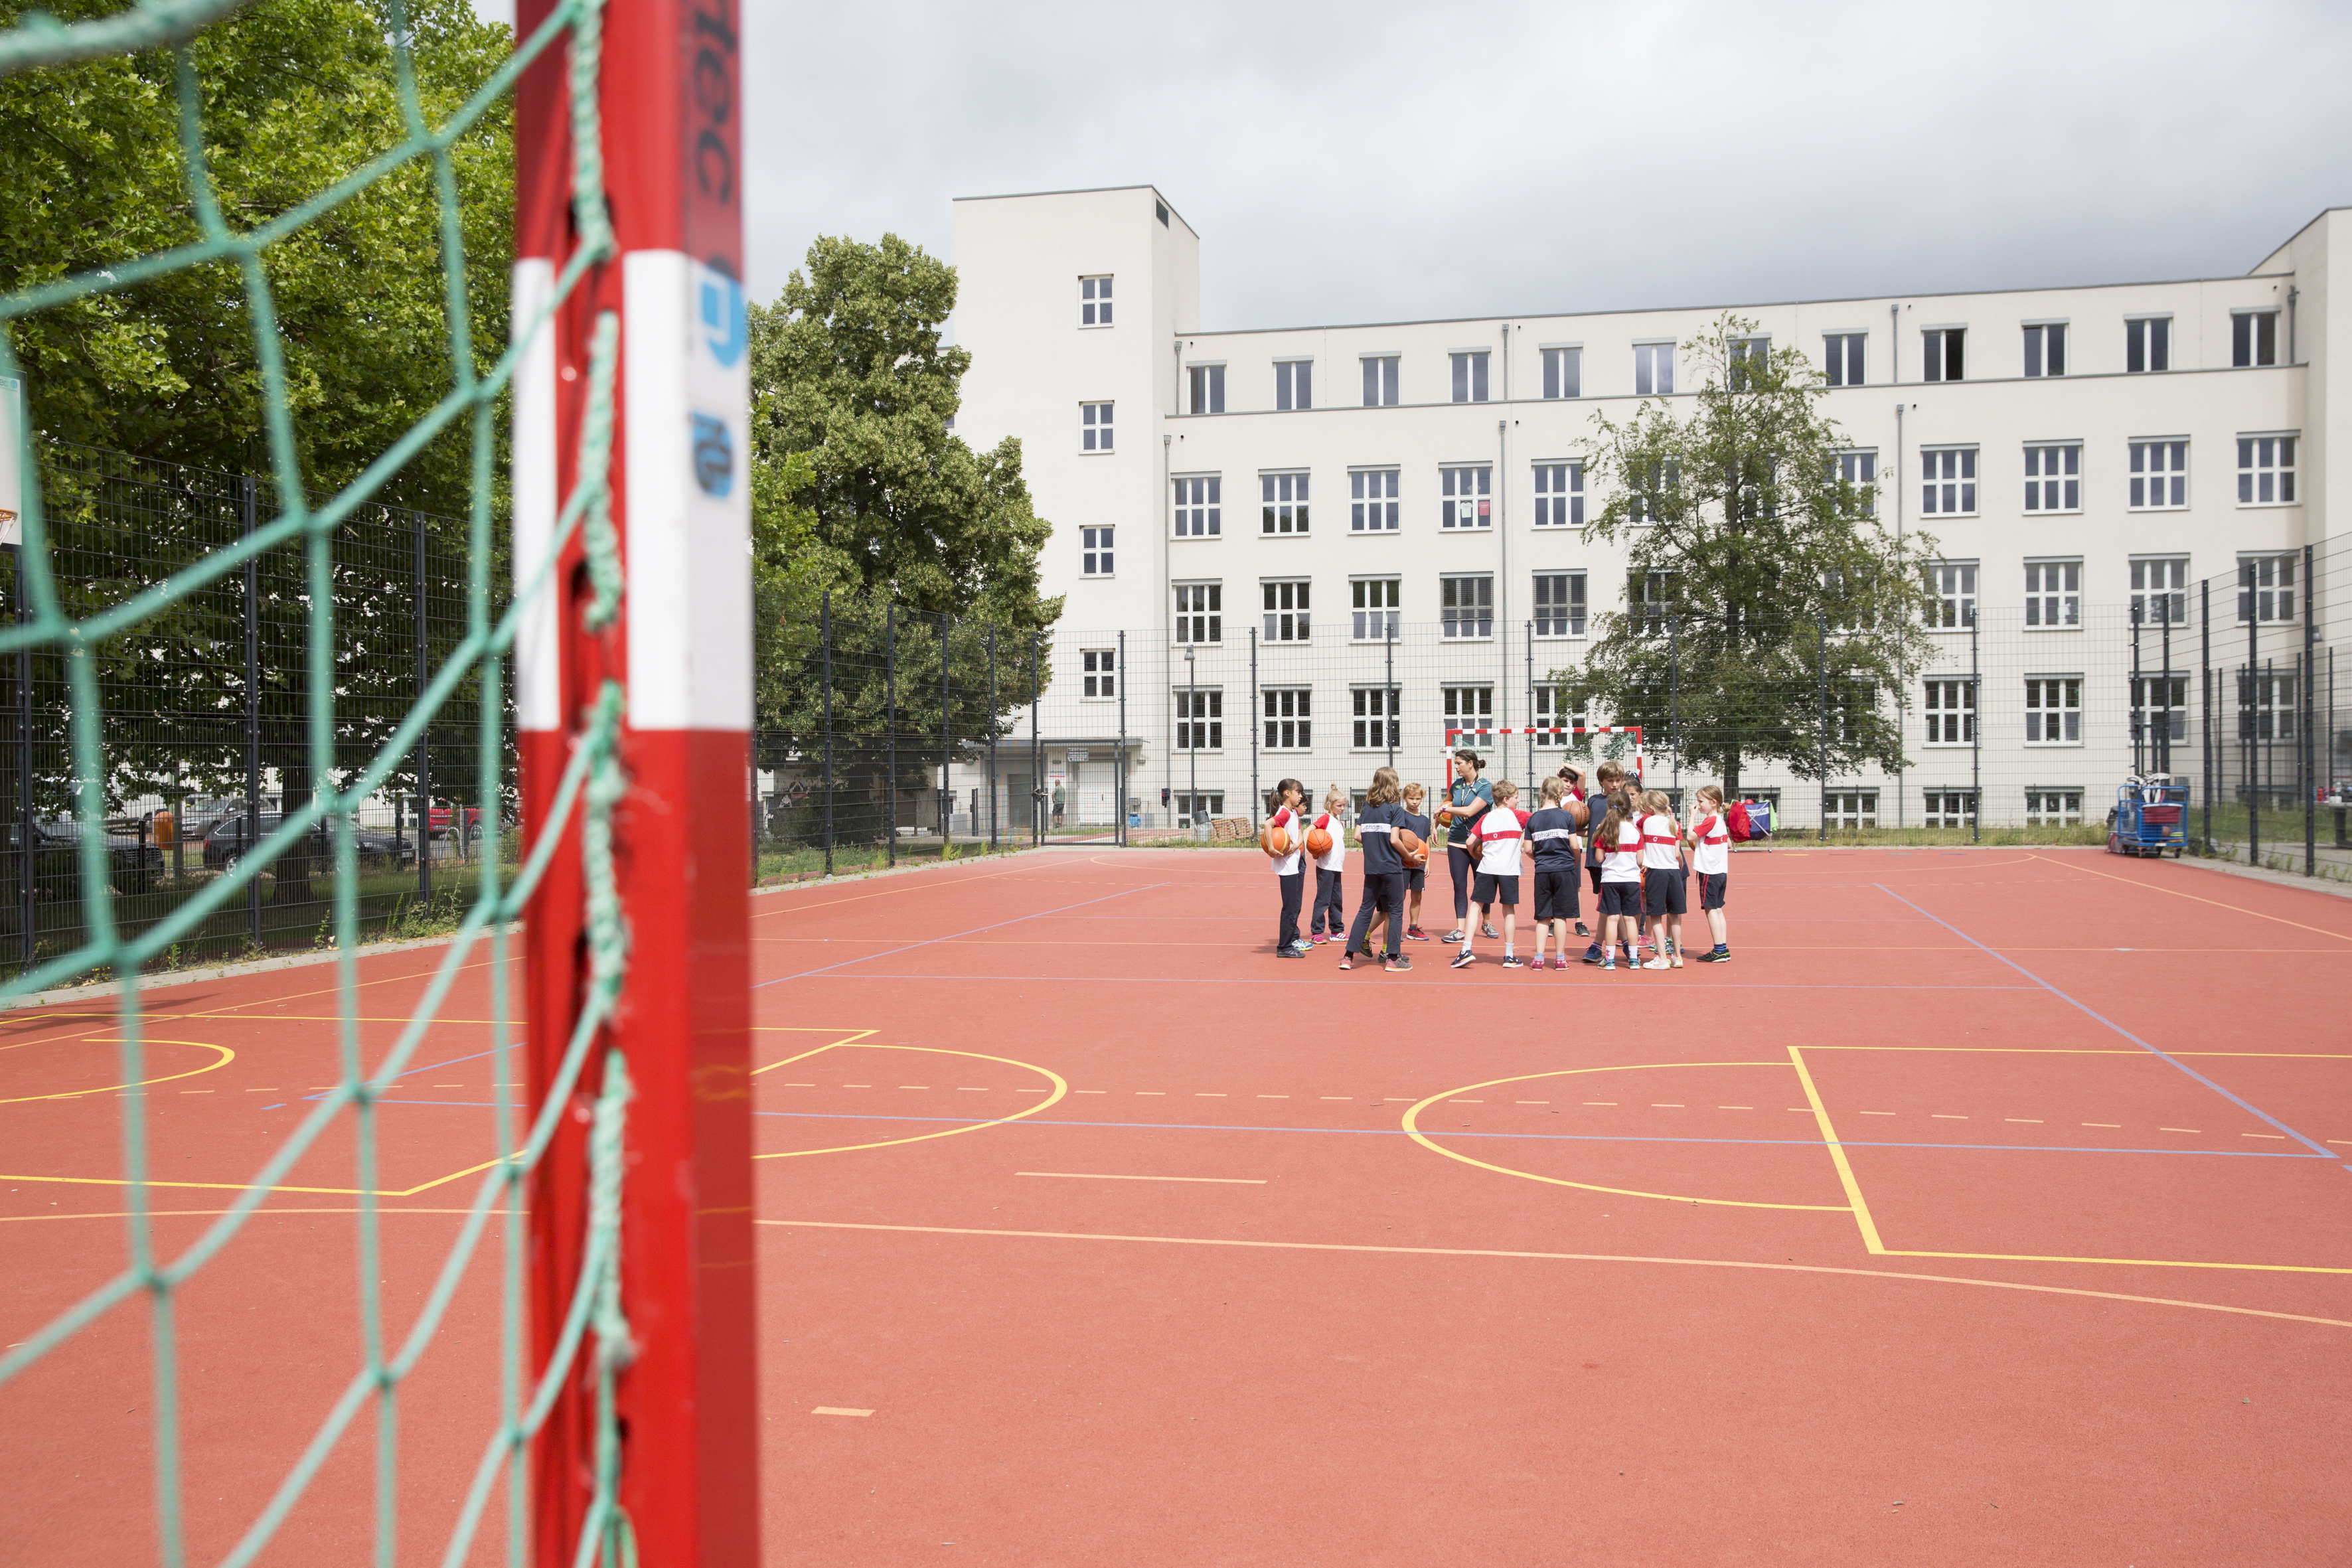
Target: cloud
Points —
{"points": [[1379, 161]]}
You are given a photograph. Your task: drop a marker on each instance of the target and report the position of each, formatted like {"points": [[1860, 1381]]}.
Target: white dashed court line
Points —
{"points": [[1103, 1176], [838, 1410]]}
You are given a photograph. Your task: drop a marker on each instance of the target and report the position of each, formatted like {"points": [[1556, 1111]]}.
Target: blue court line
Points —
{"points": [[430, 1067], [1399, 1133], [975, 930], [2251, 1110]]}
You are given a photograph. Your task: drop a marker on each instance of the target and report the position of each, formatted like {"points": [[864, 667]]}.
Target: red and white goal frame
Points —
{"points": [[671, 108]]}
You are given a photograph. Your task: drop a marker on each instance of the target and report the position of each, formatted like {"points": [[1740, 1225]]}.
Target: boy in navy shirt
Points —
{"points": [[1552, 834], [1383, 872]]}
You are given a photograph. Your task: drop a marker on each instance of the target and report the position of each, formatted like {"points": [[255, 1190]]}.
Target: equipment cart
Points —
{"points": [[2148, 819]]}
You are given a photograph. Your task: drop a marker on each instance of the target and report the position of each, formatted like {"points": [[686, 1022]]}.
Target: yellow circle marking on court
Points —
{"points": [[1412, 1128], [226, 1056], [1061, 1087]]}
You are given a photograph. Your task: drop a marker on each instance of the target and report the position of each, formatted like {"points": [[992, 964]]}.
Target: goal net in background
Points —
{"points": [[616, 1210]]}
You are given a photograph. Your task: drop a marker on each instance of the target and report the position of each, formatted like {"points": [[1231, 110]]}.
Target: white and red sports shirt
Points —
{"points": [[1500, 835], [1332, 823], [1622, 861], [1662, 842], [1290, 821], [1710, 845]]}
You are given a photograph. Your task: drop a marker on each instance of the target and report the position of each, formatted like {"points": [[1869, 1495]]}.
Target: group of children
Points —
{"points": [[1638, 856]]}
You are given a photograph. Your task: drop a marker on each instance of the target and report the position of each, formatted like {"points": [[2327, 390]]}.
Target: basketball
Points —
{"points": [[1444, 815], [1475, 845], [1275, 841], [1318, 843], [1410, 849]]}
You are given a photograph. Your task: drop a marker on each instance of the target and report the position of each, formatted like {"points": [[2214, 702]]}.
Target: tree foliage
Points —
{"points": [[1762, 588]]}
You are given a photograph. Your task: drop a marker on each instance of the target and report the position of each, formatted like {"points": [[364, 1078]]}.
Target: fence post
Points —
{"points": [[890, 733], [1192, 708], [2205, 670], [249, 501], [1529, 642], [1821, 649], [947, 800], [28, 863], [2139, 690], [2310, 769], [2164, 731], [2253, 723], [1119, 770], [991, 741], [1036, 751], [1674, 703], [1976, 730], [825, 633], [1389, 719], [1255, 792], [424, 734]]}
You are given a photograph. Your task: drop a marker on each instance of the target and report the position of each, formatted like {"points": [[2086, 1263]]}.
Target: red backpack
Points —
{"points": [[1735, 818]]}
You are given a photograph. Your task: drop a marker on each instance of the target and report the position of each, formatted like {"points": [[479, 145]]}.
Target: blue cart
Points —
{"points": [[2148, 819]]}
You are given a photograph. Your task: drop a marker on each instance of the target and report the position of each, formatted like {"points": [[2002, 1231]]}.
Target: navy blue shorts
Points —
{"points": [[1504, 890], [1415, 880], [1711, 889], [1556, 894], [1620, 899], [1662, 892]]}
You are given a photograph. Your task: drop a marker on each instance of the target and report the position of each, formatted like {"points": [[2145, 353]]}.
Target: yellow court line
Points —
{"points": [[854, 1037], [1872, 1244], [226, 1056], [2175, 892], [1061, 1087], [1414, 1131], [1562, 1257], [2086, 1051], [214, 1214]]}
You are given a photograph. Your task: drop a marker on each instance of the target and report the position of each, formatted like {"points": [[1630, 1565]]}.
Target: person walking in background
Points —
{"points": [[1057, 803]]}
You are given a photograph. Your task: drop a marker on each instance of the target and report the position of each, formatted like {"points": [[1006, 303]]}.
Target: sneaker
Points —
{"points": [[1399, 964], [1511, 961], [1594, 955], [1721, 956], [1658, 963], [1451, 936], [1318, 939], [1676, 961], [1298, 948], [1559, 961], [1489, 932], [1465, 957], [1580, 930], [1347, 960], [1291, 952], [1414, 933], [1608, 963]]}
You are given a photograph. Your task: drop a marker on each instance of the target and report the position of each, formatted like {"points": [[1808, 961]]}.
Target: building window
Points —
{"points": [[1199, 807], [2159, 474], [2254, 338], [1380, 382], [1094, 301], [1470, 377], [1859, 470], [2147, 343], [1283, 503], [1293, 383], [2266, 706], [1200, 612], [1372, 500], [1747, 353], [1100, 668], [2053, 710], [1556, 722], [1289, 720], [1560, 603], [1375, 607], [1563, 373], [1653, 370], [1955, 584], [1466, 605], [1950, 483], [2046, 349], [2054, 478], [1652, 597], [2053, 593], [1853, 809], [1944, 353], [1208, 386], [2054, 808], [1095, 552], [1951, 709], [1469, 711], [1373, 726], [2267, 587], [1094, 426], [1841, 354], [1200, 719], [1951, 808], [2160, 707], [2265, 470], [2157, 589], [1851, 703], [1286, 609], [1200, 507], [1465, 494], [1560, 495]]}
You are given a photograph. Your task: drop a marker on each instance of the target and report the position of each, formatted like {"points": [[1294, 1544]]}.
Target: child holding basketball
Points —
{"points": [[1619, 841], [1710, 841], [1662, 879], [1286, 814], [1328, 917], [1415, 798], [1383, 874], [1552, 837], [1499, 836]]}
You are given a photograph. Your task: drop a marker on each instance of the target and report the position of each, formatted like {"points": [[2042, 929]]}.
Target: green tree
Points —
{"points": [[295, 95], [862, 489], [1759, 576]]}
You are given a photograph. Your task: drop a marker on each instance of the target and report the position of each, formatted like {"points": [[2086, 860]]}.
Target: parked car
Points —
{"points": [[134, 863], [226, 844]]}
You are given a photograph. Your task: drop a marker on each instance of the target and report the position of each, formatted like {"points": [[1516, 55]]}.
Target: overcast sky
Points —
{"points": [[1371, 161]]}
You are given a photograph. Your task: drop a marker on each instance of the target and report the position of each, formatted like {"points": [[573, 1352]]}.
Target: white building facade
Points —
{"points": [[1299, 552]]}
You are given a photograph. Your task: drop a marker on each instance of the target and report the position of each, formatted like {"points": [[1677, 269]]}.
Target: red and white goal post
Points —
{"points": [[1561, 732], [670, 103]]}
